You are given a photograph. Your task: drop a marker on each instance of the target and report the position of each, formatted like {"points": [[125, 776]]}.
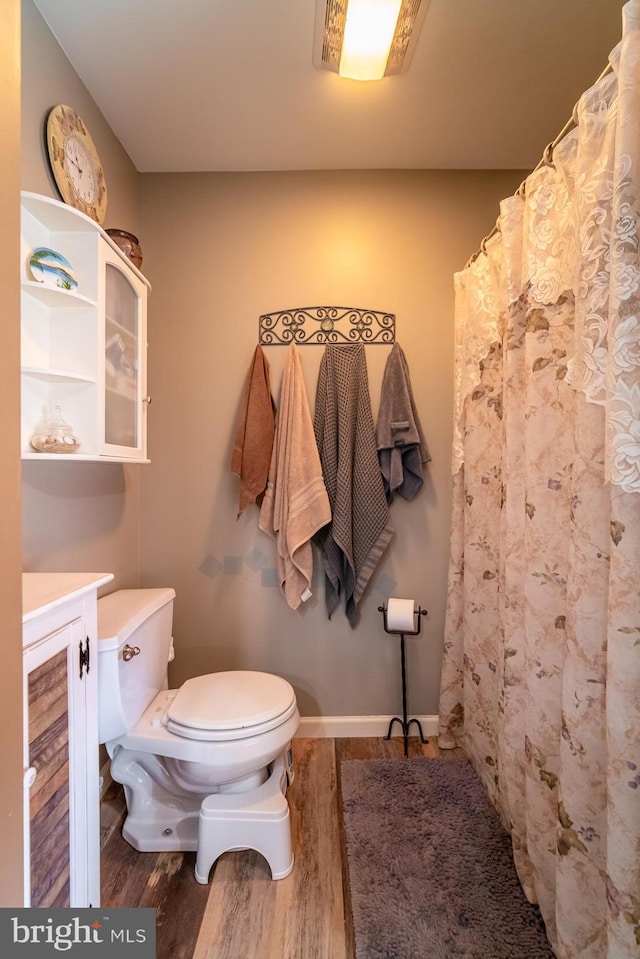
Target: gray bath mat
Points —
{"points": [[431, 872]]}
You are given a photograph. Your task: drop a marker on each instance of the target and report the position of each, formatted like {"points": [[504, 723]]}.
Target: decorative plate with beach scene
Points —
{"points": [[52, 269]]}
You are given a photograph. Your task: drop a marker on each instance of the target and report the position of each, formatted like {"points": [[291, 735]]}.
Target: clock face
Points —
{"points": [[75, 163], [80, 170]]}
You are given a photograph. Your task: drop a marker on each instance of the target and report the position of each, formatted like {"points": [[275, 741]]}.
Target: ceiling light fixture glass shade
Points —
{"points": [[348, 39], [368, 35]]}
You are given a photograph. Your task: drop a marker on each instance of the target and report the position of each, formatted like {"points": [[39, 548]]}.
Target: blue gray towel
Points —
{"points": [[402, 448]]}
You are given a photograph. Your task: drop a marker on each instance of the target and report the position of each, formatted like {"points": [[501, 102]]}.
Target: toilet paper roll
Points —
{"points": [[400, 615]]}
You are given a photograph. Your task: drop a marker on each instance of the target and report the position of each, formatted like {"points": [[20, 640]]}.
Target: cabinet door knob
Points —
{"points": [[147, 400], [30, 777], [128, 652]]}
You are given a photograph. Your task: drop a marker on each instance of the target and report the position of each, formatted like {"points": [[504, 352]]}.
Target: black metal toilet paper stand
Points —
{"points": [[405, 724]]}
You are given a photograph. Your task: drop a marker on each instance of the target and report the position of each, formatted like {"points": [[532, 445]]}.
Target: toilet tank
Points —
{"points": [[140, 619]]}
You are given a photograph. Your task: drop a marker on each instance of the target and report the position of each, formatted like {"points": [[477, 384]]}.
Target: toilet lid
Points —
{"points": [[228, 701]]}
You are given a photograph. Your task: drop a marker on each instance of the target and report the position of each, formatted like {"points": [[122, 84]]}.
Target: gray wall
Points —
{"points": [[76, 516], [221, 249]]}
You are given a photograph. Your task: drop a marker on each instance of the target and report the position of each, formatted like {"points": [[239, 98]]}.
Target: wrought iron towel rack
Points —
{"points": [[319, 325]]}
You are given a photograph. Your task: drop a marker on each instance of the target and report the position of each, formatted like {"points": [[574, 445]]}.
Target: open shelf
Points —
{"points": [[68, 355]]}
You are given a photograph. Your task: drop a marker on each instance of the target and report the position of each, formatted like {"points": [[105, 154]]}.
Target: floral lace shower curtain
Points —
{"points": [[541, 671]]}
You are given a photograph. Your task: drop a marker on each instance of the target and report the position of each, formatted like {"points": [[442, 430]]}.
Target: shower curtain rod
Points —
{"points": [[545, 158]]}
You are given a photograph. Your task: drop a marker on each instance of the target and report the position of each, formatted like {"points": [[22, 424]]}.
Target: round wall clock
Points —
{"points": [[75, 163]]}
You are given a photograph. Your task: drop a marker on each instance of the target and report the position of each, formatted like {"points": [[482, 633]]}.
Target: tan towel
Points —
{"points": [[295, 504], [254, 437]]}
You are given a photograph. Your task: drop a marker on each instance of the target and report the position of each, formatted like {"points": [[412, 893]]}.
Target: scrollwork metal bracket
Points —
{"points": [[320, 325]]}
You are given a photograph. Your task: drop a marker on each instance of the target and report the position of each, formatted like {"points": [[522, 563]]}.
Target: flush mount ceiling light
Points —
{"points": [[366, 39]]}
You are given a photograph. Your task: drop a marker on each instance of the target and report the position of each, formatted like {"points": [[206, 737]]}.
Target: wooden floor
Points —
{"points": [[243, 913]]}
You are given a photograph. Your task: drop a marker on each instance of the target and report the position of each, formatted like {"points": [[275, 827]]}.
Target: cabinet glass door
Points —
{"points": [[123, 372]]}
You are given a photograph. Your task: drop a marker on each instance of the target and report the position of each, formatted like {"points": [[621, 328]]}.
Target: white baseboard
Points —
{"points": [[338, 727]]}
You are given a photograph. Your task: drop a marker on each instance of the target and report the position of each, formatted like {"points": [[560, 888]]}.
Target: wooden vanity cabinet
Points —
{"points": [[60, 739]]}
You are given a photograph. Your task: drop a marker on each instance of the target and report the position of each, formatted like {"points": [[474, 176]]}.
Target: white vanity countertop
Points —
{"points": [[44, 591]]}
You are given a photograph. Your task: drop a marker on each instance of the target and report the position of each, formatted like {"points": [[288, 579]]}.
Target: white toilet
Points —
{"points": [[204, 767]]}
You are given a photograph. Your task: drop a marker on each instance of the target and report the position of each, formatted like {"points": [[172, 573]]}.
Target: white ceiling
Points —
{"points": [[204, 85]]}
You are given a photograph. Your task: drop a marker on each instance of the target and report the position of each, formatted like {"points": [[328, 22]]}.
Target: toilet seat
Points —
{"points": [[229, 705]]}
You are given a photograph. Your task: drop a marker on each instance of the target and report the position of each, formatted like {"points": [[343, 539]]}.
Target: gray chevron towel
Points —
{"points": [[360, 530]]}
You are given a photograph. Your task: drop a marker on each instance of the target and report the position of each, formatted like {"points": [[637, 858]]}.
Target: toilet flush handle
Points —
{"points": [[128, 652]]}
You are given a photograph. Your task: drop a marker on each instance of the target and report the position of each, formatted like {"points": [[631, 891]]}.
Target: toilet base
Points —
{"points": [[160, 820], [256, 820], [173, 831]]}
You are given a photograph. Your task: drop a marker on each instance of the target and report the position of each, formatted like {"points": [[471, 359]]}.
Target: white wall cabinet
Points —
{"points": [[83, 347], [60, 739]]}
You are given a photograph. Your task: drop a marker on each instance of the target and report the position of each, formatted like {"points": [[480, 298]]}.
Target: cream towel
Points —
{"points": [[295, 504], [254, 436]]}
